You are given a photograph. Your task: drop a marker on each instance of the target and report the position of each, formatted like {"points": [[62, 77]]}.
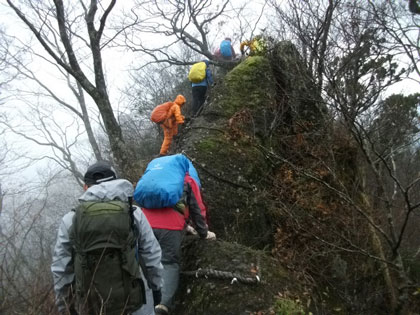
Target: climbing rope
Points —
{"points": [[211, 273]]}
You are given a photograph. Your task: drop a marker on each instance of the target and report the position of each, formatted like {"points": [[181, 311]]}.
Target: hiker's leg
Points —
{"points": [[148, 308], [174, 129], [196, 100], [167, 140], [170, 243], [202, 95], [199, 96]]}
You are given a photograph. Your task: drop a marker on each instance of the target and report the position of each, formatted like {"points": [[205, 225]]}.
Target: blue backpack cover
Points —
{"points": [[225, 48], [162, 183], [193, 173]]}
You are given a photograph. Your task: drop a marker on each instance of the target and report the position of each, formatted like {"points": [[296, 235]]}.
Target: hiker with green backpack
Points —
{"points": [[106, 258], [201, 77]]}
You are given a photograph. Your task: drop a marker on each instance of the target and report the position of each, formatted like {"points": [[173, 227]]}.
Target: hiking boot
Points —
{"points": [[161, 309]]}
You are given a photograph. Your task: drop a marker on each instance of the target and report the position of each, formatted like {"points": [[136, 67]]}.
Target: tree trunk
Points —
{"points": [[92, 140], [379, 252]]}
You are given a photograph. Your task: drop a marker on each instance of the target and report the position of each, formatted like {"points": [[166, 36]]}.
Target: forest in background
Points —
{"points": [[363, 148]]}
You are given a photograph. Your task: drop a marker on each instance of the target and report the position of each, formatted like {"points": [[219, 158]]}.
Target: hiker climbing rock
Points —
{"points": [[169, 116], [169, 194], [257, 46], [201, 77], [89, 275], [225, 50]]}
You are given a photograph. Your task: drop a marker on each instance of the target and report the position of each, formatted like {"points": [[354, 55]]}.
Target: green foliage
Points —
{"points": [[208, 145], [285, 306]]}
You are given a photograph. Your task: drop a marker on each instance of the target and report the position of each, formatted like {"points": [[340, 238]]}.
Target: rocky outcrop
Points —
{"points": [[250, 109], [227, 278], [248, 113]]}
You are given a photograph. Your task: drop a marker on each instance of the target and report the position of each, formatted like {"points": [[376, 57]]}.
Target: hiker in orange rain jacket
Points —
{"points": [[170, 124]]}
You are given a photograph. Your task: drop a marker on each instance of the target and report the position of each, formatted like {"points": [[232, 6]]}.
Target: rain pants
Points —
{"points": [[170, 124]]}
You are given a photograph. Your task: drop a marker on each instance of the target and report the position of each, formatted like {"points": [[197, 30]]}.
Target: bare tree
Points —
{"points": [[187, 22], [27, 93], [29, 221], [192, 24], [402, 31], [49, 133], [313, 34], [6, 74], [67, 36], [346, 46], [1, 202]]}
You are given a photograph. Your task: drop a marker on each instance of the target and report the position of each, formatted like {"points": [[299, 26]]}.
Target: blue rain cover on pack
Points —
{"points": [[225, 48], [193, 173], [163, 182]]}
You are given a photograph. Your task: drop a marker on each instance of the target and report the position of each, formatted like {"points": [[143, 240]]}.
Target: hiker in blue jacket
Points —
{"points": [[199, 90]]}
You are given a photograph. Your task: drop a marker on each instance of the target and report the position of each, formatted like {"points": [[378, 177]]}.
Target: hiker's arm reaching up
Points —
{"points": [[175, 111], [62, 264], [209, 76], [196, 206]]}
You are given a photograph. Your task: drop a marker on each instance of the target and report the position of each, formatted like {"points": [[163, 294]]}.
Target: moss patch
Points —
{"points": [[250, 84]]}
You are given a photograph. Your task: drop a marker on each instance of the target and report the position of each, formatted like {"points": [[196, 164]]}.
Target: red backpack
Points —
{"points": [[160, 112]]}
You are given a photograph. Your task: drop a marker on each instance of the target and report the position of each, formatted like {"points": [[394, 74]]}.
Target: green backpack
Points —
{"points": [[108, 279]]}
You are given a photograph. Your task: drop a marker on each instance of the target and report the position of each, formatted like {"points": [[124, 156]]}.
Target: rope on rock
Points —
{"points": [[211, 273]]}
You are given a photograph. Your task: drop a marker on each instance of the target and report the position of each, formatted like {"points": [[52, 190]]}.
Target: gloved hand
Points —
{"points": [[157, 297], [210, 236], [190, 230]]}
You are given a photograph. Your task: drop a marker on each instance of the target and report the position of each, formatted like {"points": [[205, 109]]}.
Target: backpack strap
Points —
{"points": [[136, 234], [131, 212]]}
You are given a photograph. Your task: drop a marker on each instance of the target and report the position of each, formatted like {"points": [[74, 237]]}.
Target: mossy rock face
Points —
{"points": [[230, 177], [296, 87], [249, 85], [250, 113], [256, 104], [223, 144], [247, 109], [217, 295]]}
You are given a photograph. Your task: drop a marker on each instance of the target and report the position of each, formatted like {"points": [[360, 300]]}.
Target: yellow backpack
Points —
{"points": [[197, 72]]}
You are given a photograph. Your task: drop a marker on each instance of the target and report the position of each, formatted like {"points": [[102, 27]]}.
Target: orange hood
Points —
{"points": [[180, 100]]}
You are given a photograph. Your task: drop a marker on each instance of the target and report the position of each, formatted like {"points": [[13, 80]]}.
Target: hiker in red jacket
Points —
{"points": [[169, 226]]}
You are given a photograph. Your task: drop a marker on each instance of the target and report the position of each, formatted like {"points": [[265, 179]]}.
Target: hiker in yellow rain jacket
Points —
{"points": [[170, 124], [256, 46]]}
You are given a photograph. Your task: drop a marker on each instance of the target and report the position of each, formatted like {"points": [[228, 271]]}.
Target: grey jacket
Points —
{"points": [[149, 249]]}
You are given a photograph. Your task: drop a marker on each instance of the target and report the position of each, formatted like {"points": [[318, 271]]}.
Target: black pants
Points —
{"points": [[199, 96], [170, 243]]}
